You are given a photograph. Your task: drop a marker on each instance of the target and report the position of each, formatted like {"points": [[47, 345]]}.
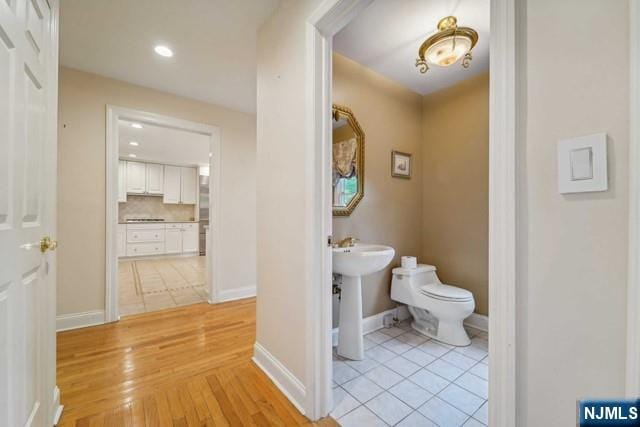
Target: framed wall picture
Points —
{"points": [[400, 164]]}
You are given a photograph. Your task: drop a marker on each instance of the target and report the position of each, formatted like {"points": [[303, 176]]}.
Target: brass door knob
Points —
{"points": [[48, 244]]}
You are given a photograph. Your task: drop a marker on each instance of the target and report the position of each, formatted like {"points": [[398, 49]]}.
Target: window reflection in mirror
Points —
{"points": [[348, 164]]}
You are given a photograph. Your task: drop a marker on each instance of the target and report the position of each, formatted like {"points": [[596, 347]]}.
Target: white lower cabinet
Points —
{"points": [[157, 239]]}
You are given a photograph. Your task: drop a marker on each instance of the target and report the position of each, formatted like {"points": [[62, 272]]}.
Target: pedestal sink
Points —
{"points": [[353, 263]]}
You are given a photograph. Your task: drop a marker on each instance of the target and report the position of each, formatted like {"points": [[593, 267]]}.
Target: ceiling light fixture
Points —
{"points": [[163, 51], [135, 144], [136, 125], [447, 46], [133, 155]]}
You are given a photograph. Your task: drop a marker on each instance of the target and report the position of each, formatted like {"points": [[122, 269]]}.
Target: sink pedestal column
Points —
{"points": [[350, 341]]}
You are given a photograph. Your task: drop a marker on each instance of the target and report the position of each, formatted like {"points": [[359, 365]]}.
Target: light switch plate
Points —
{"points": [[582, 164]]}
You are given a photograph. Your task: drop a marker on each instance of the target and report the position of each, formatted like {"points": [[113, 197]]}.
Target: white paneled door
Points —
{"points": [[28, 128]]}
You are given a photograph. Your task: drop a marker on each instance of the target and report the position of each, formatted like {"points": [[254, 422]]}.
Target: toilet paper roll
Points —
{"points": [[409, 262]]}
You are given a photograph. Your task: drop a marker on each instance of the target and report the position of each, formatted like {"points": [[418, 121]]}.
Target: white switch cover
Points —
{"points": [[582, 164]]}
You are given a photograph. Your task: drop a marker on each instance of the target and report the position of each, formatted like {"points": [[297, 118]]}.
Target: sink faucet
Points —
{"points": [[347, 242]]}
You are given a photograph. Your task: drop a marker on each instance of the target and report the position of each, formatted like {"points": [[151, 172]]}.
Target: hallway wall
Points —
{"points": [[81, 183]]}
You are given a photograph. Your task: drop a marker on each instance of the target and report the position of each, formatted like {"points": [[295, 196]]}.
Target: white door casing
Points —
{"points": [[122, 181], [28, 149]]}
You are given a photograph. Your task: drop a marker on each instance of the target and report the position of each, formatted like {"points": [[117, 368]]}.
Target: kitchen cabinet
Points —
{"points": [[190, 237], [173, 241], [136, 240], [172, 176], [188, 185], [122, 181], [154, 178], [136, 177]]}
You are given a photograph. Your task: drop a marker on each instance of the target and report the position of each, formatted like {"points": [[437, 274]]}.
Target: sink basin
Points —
{"points": [[361, 259], [352, 263]]}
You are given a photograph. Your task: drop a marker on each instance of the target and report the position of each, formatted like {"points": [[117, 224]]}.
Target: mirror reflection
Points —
{"points": [[348, 161]]}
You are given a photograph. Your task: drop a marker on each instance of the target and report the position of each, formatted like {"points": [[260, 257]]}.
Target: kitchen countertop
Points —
{"points": [[157, 222]]}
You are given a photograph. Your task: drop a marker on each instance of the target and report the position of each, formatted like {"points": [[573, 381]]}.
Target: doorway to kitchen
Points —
{"points": [[162, 187]]}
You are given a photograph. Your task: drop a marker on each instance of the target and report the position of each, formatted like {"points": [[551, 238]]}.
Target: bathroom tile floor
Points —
{"points": [[147, 285], [407, 379]]}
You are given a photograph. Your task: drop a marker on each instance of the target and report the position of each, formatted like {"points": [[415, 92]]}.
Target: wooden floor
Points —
{"points": [[187, 366]]}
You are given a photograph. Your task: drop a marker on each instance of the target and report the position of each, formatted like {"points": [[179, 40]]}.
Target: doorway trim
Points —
{"points": [[507, 46], [633, 287], [114, 114]]}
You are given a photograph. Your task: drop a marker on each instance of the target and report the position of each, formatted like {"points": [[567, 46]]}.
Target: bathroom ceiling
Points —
{"points": [[387, 35], [213, 41], [162, 145]]}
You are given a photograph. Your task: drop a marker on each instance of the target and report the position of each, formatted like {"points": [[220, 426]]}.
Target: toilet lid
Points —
{"points": [[446, 292]]}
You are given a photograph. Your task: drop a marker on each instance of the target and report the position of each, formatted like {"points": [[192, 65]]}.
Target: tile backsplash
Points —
{"points": [[152, 207]]}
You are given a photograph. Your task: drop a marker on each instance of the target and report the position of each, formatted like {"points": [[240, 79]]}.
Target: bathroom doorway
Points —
{"points": [[156, 169], [326, 22]]}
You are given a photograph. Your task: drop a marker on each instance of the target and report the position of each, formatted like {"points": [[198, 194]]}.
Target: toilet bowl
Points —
{"points": [[438, 310]]}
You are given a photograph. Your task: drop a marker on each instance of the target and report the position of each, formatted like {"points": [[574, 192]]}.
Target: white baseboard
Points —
{"points": [[291, 386], [477, 321], [57, 407], [373, 323], [234, 294], [65, 322]]}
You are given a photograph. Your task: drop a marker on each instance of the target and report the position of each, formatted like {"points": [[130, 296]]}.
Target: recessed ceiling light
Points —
{"points": [[210, 154], [135, 144], [163, 51], [133, 155], [136, 125]]}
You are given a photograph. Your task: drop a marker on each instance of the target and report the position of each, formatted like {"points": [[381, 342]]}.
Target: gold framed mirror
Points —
{"points": [[347, 161]]}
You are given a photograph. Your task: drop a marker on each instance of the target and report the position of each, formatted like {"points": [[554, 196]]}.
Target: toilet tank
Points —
{"points": [[406, 282]]}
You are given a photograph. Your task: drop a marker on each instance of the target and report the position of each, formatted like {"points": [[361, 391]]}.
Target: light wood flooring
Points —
{"points": [[147, 285], [186, 366]]}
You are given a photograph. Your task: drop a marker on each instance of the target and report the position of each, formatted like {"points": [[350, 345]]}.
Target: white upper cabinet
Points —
{"points": [[155, 178], [171, 184], [188, 185], [136, 177], [122, 181]]}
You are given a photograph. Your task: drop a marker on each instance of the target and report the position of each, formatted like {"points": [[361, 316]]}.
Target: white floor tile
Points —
{"points": [[389, 408], [466, 401], [481, 370], [442, 413], [361, 417], [367, 343], [362, 389], [419, 357], [392, 332], [343, 402], [485, 361], [416, 420], [384, 377], [444, 369], [433, 348], [397, 346], [429, 381], [471, 422], [343, 373], [472, 351], [362, 366], [482, 414], [412, 338], [379, 354], [481, 343], [378, 337], [474, 384], [403, 366], [459, 360], [410, 393]]}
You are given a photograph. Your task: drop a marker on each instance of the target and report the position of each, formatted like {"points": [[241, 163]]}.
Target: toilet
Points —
{"points": [[438, 310]]}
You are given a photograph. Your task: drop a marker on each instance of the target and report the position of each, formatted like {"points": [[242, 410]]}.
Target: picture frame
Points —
{"points": [[400, 164]]}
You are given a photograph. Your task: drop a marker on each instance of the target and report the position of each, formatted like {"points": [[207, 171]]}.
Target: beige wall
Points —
{"points": [[284, 214], [573, 253], [390, 212], [81, 182], [455, 185]]}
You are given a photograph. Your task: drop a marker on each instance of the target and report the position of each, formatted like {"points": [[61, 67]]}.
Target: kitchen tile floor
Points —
{"points": [[408, 379], [155, 284]]}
